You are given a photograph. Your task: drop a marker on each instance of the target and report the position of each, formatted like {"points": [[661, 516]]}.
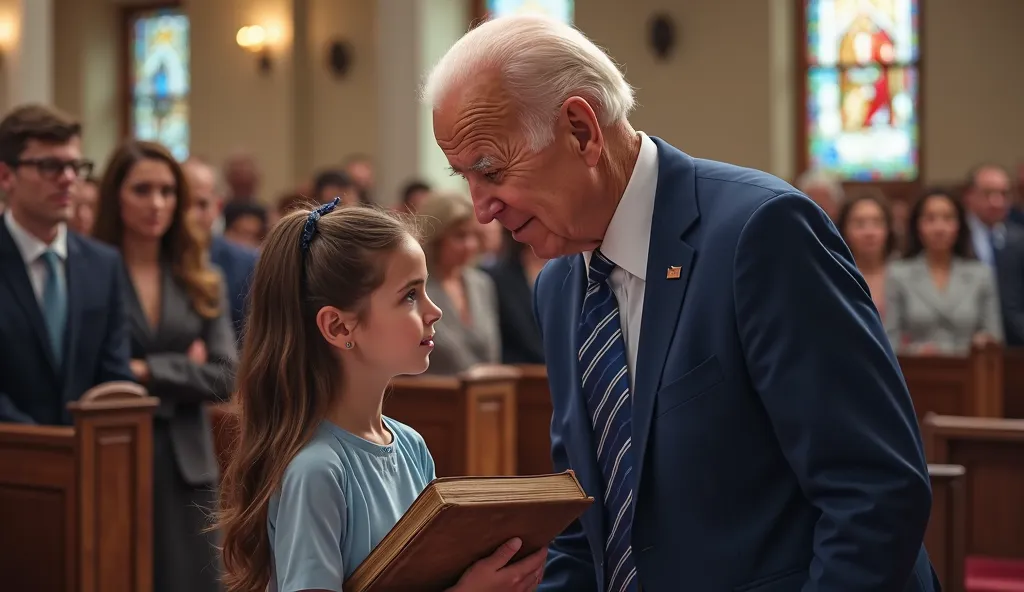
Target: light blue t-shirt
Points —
{"points": [[340, 495]]}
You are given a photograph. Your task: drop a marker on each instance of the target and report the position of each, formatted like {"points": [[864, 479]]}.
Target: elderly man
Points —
{"points": [[735, 409], [824, 189]]}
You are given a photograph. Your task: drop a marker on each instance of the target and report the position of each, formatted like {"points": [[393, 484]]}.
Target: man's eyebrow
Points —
{"points": [[482, 164]]}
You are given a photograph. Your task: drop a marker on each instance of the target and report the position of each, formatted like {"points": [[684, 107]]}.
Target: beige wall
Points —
{"points": [[727, 93]]}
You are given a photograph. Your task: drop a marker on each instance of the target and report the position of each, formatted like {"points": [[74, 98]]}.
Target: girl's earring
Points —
{"points": [[348, 345]]}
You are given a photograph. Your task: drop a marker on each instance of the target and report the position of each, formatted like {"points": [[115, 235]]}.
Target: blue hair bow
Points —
{"points": [[310, 228]]}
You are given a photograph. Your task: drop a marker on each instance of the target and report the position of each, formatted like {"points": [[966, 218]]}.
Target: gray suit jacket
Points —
{"points": [[458, 346], [918, 313], [183, 386]]}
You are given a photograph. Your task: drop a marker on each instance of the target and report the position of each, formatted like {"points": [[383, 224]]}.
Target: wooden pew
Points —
{"points": [[533, 408], [76, 502], [968, 386], [992, 452], [1013, 383], [944, 538], [468, 421]]}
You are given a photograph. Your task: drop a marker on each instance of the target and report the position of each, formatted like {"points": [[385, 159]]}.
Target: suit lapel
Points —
{"points": [[15, 273], [675, 210], [581, 454]]}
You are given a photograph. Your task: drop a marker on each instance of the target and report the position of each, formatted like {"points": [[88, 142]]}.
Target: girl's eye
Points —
{"points": [[411, 296]]}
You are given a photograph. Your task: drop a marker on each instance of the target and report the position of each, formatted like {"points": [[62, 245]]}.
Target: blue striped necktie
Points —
{"points": [[55, 303], [605, 381]]}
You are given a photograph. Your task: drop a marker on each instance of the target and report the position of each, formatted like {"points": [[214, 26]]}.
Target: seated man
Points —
{"points": [[236, 262], [63, 330]]}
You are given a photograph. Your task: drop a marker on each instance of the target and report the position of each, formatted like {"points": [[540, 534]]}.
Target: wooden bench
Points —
{"points": [[949, 385], [468, 421], [944, 538], [76, 503], [1013, 382], [533, 407], [992, 452]]}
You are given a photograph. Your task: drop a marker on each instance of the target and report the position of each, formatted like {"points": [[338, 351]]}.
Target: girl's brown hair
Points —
{"points": [[180, 245], [288, 374]]}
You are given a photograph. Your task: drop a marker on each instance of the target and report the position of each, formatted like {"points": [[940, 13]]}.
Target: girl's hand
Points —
{"points": [[494, 574]]}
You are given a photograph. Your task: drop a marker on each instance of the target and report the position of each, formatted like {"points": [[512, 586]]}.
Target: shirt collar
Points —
{"points": [[628, 238], [32, 248]]}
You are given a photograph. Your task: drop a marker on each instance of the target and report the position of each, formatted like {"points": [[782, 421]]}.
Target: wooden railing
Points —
{"points": [[76, 502]]}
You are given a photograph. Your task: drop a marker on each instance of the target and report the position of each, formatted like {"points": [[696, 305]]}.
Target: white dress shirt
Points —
{"points": [[626, 243], [32, 250]]}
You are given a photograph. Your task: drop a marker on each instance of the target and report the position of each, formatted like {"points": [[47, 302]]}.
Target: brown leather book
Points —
{"points": [[456, 521]]}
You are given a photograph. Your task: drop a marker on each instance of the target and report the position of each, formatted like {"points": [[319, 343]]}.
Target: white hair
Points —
{"points": [[819, 179], [542, 62]]}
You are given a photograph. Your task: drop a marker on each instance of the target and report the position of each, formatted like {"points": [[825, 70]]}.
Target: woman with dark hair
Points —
{"points": [[513, 277], [865, 223], [939, 298], [183, 350]]}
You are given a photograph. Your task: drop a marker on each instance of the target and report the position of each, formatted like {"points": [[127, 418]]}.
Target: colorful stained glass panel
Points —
{"points": [[557, 9], [161, 78], [862, 122], [860, 32]]}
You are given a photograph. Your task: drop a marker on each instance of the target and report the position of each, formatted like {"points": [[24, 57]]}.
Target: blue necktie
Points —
{"points": [[55, 303], [605, 381]]}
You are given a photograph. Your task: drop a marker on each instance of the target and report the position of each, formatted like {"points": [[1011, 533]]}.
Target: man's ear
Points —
{"points": [[6, 177], [336, 327], [587, 139]]}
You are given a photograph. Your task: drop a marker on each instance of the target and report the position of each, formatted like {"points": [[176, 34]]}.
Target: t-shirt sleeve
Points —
{"points": [[427, 461], [309, 527]]}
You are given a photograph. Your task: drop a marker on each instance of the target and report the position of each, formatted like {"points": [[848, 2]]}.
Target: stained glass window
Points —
{"points": [[160, 79], [861, 89], [558, 9]]}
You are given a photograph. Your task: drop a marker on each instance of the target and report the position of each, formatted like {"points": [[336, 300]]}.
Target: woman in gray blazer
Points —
{"points": [[468, 332], [183, 351], [939, 298]]}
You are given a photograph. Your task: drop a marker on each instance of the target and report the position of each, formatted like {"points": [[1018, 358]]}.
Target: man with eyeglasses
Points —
{"points": [[62, 324], [998, 241]]}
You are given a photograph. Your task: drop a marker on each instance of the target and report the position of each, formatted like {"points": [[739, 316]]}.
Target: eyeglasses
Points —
{"points": [[51, 168]]}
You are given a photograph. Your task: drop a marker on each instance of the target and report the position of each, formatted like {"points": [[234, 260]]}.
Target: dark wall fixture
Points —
{"points": [[662, 35], [339, 58]]}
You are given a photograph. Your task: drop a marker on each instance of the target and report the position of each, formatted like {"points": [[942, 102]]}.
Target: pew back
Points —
{"points": [[468, 421], [76, 502], [992, 452], [944, 538], [949, 385]]}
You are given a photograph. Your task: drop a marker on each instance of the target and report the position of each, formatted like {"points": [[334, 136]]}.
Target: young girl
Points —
{"points": [[337, 309]]}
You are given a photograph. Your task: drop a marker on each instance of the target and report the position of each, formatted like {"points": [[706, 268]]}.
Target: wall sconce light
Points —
{"points": [[256, 39], [8, 37]]}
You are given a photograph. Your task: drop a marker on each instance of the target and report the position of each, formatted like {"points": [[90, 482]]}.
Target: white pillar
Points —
{"points": [[417, 33], [29, 61]]}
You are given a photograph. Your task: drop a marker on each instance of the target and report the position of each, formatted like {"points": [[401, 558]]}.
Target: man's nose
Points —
{"points": [[486, 208]]}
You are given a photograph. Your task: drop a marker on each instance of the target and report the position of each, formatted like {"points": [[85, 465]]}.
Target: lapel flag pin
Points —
{"points": [[673, 272]]}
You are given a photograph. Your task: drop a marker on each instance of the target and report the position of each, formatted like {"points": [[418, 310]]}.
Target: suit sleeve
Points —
{"points": [[175, 376], [834, 394], [991, 317], [569, 563], [115, 351], [9, 412]]}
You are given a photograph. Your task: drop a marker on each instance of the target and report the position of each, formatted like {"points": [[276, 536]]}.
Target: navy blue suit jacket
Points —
{"points": [[775, 444], [237, 264], [33, 387]]}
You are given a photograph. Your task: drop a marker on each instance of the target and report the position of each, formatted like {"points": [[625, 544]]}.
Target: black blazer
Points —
{"points": [[1010, 281], [183, 386], [33, 389], [237, 264], [520, 336]]}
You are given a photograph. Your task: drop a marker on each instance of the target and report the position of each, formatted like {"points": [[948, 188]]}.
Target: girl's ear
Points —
{"points": [[336, 326]]}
